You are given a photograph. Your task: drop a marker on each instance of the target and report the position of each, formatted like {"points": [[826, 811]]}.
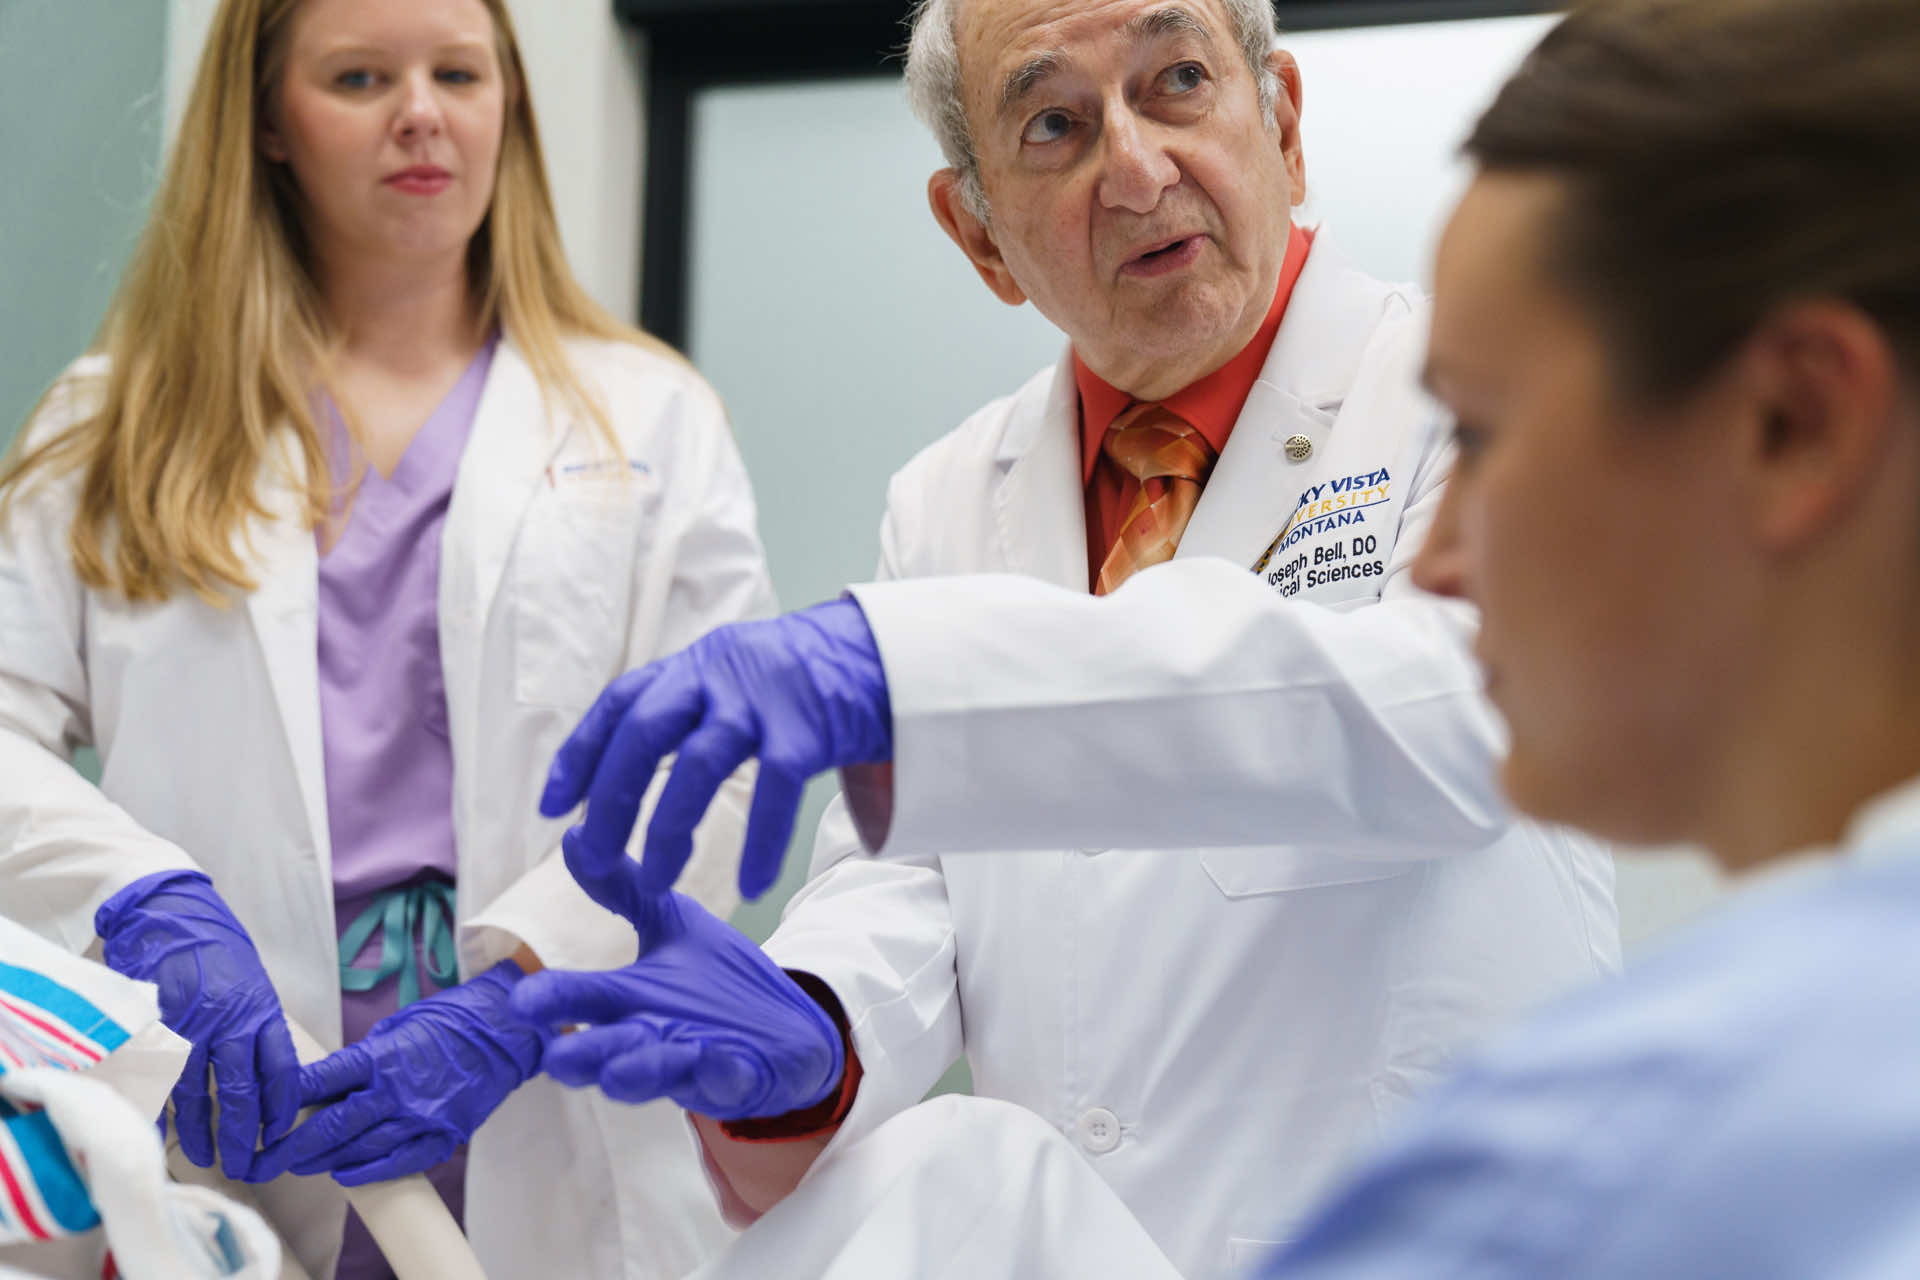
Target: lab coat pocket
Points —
{"points": [[1249, 872], [572, 580]]}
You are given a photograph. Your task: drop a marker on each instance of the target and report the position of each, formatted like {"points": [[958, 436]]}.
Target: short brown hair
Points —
{"points": [[1722, 158]]}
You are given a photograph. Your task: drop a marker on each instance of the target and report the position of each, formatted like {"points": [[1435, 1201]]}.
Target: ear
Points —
{"points": [[272, 146], [1286, 119], [1823, 385], [972, 235]]}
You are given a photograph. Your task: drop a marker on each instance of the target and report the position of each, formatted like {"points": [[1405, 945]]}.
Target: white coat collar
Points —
{"points": [[513, 440], [284, 610], [1040, 507], [1332, 315], [1330, 319]]}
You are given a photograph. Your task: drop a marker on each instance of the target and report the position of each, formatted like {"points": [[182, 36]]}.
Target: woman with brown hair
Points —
{"points": [[1677, 316], [354, 507]]}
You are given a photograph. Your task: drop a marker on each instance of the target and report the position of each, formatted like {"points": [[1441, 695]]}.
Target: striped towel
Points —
{"points": [[85, 1065], [59, 1011]]}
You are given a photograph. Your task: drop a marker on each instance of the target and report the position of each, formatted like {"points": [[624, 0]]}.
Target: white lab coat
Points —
{"points": [[560, 567], [1220, 1030]]}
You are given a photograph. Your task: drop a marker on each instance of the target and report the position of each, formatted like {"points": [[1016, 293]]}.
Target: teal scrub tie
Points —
{"points": [[404, 913]]}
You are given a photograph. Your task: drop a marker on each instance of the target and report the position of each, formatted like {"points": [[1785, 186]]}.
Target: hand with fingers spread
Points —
{"points": [[403, 1099], [702, 1017], [803, 693], [173, 930]]}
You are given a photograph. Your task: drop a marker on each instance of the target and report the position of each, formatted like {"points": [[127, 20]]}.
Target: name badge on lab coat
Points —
{"points": [[1337, 541]]}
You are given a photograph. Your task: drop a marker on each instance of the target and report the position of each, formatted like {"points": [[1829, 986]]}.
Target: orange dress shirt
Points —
{"points": [[1211, 405]]}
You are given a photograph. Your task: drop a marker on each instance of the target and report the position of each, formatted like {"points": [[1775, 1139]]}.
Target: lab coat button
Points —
{"points": [[1299, 448], [1099, 1131]]}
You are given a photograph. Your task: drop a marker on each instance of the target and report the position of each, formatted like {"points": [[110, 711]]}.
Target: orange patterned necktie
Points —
{"points": [[1170, 459]]}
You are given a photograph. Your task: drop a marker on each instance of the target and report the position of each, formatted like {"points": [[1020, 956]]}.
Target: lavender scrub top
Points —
{"points": [[383, 701]]}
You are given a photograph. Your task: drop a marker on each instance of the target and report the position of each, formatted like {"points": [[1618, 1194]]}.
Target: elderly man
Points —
{"points": [[1218, 1030]]}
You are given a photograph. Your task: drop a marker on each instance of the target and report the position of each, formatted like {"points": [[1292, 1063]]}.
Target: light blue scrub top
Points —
{"points": [[1744, 1104]]}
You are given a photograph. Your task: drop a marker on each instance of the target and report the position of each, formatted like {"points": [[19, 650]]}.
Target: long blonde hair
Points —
{"points": [[216, 339]]}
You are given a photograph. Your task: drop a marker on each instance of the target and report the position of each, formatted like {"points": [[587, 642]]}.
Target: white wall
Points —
{"points": [[80, 84], [585, 67], [187, 23], [585, 70], [1383, 112]]}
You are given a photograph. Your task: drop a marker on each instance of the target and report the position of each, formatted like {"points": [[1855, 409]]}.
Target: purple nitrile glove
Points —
{"points": [[406, 1097], [804, 693], [702, 1017], [173, 930]]}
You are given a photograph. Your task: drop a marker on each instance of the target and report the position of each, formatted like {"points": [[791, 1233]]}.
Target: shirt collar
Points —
{"points": [[1885, 828], [1887, 824], [1213, 403]]}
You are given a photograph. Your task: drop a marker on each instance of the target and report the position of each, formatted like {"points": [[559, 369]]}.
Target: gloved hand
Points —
{"points": [[173, 930], [403, 1099], [804, 693], [702, 1017]]}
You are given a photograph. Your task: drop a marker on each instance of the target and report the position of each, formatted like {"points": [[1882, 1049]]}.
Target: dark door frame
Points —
{"points": [[697, 44]]}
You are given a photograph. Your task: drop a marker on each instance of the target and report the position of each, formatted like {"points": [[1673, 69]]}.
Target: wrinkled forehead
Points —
{"points": [[1005, 46]]}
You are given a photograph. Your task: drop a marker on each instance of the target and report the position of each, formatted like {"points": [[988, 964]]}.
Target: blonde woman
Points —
{"points": [[355, 506]]}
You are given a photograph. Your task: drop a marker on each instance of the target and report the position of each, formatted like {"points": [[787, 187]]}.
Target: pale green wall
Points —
{"points": [[80, 124]]}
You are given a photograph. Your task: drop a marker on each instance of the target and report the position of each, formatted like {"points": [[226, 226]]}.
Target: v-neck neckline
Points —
{"points": [[404, 476], [358, 483]]}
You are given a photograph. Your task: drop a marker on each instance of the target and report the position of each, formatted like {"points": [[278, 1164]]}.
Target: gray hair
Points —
{"points": [[934, 91]]}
